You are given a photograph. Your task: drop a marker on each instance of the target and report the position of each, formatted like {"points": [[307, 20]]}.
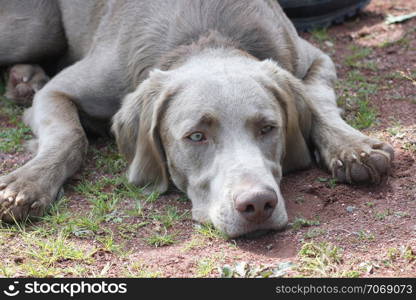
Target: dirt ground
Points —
{"points": [[103, 227]]}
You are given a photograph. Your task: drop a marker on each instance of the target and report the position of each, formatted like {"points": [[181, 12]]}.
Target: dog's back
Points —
{"points": [[138, 33], [143, 32]]}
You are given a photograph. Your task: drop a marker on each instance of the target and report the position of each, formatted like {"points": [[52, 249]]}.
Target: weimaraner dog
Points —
{"points": [[218, 97]]}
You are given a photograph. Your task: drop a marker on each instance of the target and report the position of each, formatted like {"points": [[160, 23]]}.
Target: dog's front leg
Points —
{"points": [[350, 155], [62, 145]]}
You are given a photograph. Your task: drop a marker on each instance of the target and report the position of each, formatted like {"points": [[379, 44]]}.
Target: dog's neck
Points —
{"points": [[208, 42]]}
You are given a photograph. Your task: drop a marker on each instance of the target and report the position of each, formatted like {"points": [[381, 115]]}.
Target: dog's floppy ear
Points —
{"points": [[289, 92], [136, 127]]}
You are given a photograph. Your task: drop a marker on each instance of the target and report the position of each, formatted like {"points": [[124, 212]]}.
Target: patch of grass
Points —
{"points": [[194, 243], [381, 215], [319, 259], [409, 146], [322, 179], [140, 270], [365, 116], [350, 274], [105, 194], [205, 266], [369, 65], [405, 134], [128, 231], [68, 223], [402, 214], [137, 211], [298, 223], [39, 271], [55, 219], [356, 77], [50, 251], [320, 35], [393, 75], [76, 271], [6, 271], [84, 226], [314, 232], [404, 42], [403, 253], [331, 182], [209, 231], [160, 240], [243, 269], [393, 254], [409, 254], [300, 199], [104, 204], [14, 228], [358, 53], [108, 244], [11, 138], [171, 216], [364, 235], [396, 130], [109, 160], [411, 76], [183, 198], [354, 98], [152, 197], [117, 187], [11, 110]]}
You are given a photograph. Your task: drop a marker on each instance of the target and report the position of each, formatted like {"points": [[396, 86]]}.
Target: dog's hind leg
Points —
{"points": [[23, 82], [30, 31], [350, 155]]}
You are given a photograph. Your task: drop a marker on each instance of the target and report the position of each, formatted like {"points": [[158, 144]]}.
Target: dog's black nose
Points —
{"points": [[256, 207]]}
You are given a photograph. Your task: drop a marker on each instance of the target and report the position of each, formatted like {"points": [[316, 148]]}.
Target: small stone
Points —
{"points": [[351, 209], [329, 44], [269, 247]]}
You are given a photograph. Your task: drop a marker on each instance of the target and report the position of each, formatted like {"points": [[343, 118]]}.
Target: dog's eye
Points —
{"points": [[266, 129], [197, 137]]}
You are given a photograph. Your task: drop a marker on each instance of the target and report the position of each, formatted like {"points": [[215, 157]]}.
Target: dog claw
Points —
{"points": [[363, 162], [23, 198], [20, 200], [6, 211]]}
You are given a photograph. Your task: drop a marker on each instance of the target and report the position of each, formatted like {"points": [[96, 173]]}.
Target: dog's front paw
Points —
{"points": [[363, 160], [24, 81], [22, 196]]}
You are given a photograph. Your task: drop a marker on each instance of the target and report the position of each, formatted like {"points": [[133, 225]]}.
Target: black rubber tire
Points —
{"points": [[307, 15]]}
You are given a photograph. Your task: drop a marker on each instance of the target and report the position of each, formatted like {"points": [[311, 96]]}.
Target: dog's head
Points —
{"points": [[220, 129]]}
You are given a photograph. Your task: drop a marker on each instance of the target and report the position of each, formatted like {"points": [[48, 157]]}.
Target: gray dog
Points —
{"points": [[219, 97]]}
